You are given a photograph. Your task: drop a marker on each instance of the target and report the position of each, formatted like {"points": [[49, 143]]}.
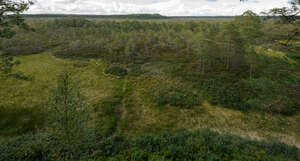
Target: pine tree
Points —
{"points": [[68, 116], [10, 17]]}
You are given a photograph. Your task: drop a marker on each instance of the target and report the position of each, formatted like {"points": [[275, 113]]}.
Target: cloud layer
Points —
{"points": [[164, 7]]}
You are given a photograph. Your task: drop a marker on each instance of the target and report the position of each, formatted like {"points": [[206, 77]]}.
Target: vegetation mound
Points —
{"points": [[116, 70], [169, 94]]}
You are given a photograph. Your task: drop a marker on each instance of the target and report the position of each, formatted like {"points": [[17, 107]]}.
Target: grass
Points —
{"points": [[137, 112]]}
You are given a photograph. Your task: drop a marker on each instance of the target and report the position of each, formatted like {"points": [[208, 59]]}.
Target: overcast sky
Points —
{"points": [[164, 7]]}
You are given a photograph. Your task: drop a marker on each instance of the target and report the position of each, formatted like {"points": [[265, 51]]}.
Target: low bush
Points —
{"points": [[22, 76], [109, 104], [229, 95], [116, 70], [80, 65], [173, 95]]}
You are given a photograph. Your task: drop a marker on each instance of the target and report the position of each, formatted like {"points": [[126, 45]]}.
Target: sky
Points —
{"points": [[164, 7]]}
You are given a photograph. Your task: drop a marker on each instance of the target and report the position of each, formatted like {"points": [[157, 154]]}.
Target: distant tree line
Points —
{"points": [[128, 16]]}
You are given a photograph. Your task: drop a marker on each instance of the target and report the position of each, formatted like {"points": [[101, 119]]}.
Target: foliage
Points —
{"points": [[287, 14]]}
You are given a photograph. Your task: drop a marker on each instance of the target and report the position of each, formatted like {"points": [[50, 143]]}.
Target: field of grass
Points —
{"points": [[137, 112]]}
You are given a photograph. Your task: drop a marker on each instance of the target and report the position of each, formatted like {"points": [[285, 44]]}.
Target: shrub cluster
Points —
{"points": [[116, 70], [198, 145], [25, 44], [80, 64], [172, 146], [269, 91], [169, 94]]}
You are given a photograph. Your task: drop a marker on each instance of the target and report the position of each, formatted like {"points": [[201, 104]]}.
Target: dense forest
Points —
{"points": [[133, 88]]}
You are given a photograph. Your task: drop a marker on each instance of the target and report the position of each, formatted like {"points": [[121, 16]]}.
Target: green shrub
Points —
{"points": [[22, 76], [166, 94], [135, 70], [116, 70], [80, 64]]}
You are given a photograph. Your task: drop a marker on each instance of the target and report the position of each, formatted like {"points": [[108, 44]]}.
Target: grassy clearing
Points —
{"points": [[44, 68]]}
